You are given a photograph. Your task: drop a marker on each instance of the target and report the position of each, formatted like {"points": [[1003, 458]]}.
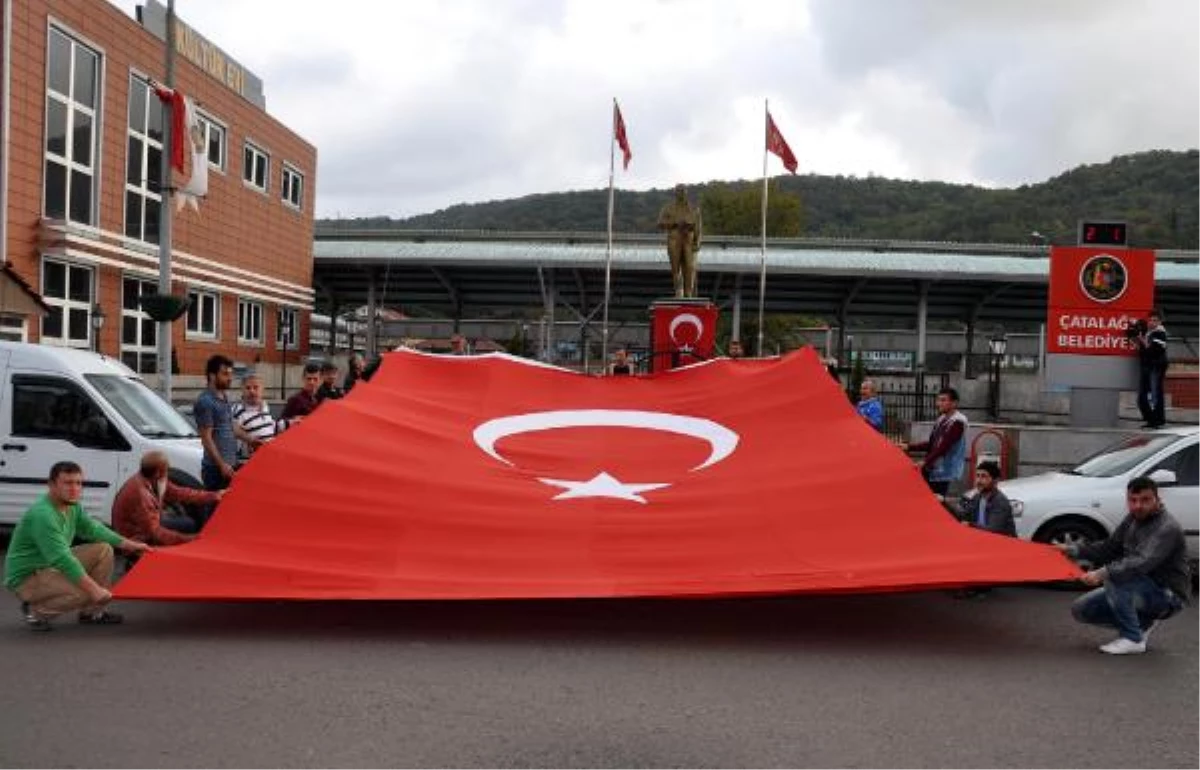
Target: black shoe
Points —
{"points": [[101, 618], [34, 621]]}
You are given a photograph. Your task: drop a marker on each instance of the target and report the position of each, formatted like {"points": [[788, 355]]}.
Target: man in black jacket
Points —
{"points": [[329, 388], [1152, 371], [1144, 574]]}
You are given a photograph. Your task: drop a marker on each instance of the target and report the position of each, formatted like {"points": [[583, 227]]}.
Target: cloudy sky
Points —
{"points": [[417, 105]]}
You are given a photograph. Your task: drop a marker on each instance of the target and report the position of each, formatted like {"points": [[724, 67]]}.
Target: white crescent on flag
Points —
{"points": [[721, 440], [689, 319], [722, 443]]}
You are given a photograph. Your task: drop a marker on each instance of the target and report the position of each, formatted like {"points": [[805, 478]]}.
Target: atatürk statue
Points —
{"points": [[681, 220]]}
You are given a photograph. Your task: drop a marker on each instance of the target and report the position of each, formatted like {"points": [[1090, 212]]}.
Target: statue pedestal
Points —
{"points": [[682, 332]]}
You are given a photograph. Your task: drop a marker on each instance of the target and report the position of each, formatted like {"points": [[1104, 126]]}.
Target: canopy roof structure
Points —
{"points": [[458, 274]]}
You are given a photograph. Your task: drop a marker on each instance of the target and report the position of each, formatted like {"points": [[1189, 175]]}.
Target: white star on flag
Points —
{"points": [[602, 485]]}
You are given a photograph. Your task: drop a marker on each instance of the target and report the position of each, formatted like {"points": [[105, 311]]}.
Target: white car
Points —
{"points": [[63, 404], [1087, 502]]}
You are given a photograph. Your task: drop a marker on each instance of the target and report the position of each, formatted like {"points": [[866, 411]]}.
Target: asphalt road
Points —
{"points": [[901, 680]]}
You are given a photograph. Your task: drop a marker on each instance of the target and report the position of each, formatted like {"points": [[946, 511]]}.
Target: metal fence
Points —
{"points": [[909, 401]]}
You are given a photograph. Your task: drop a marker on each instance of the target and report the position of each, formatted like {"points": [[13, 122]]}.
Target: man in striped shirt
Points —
{"points": [[253, 414]]}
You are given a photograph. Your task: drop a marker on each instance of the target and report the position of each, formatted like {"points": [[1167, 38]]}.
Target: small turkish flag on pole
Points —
{"points": [[619, 134], [174, 99], [777, 145]]}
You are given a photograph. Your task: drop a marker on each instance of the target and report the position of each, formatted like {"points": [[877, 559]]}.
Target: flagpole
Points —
{"points": [[762, 278], [612, 155], [164, 216]]}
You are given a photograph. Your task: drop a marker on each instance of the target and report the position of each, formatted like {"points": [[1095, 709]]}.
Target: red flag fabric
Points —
{"points": [[492, 477], [177, 106], [622, 139], [777, 145]]}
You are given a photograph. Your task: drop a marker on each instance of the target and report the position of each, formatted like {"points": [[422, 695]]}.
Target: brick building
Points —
{"points": [[84, 149]]}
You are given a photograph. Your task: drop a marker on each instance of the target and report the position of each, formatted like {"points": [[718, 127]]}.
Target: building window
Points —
{"points": [[139, 333], [203, 314], [143, 165], [72, 85], [285, 334], [67, 289], [293, 187], [13, 328], [255, 164], [250, 323], [214, 140]]}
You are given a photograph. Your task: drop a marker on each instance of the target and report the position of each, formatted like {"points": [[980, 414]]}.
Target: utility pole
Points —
{"points": [[164, 218]]}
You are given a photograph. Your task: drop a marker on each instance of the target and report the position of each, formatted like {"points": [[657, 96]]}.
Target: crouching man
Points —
{"points": [[1142, 573], [46, 573], [137, 511], [987, 507]]}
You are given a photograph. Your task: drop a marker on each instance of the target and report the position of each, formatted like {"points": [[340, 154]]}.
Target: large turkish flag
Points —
{"points": [[492, 477]]}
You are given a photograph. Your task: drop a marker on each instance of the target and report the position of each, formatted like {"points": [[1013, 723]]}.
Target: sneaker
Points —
{"points": [[101, 618], [1123, 646], [34, 621]]}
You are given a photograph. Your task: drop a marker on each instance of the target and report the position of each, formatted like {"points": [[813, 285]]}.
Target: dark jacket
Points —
{"points": [[1153, 354], [332, 392], [997, 513], [299, 405], [1154, 547]]}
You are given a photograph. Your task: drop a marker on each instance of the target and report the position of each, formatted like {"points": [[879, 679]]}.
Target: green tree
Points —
{"points": [[1157, 192], [737, 210], [857, 374], [781, 332]]}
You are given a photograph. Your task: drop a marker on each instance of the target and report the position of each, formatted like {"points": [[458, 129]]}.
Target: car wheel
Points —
{"points": [[1071, 530]]}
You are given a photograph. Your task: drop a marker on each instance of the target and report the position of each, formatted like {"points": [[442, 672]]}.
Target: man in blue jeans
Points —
{"points": [[1142, 571]]}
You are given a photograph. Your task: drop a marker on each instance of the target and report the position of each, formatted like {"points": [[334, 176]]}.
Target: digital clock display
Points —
{"points": [[1103, 233]]}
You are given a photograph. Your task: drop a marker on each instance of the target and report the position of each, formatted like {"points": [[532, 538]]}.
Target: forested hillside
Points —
{"points": [[1157, 192]]}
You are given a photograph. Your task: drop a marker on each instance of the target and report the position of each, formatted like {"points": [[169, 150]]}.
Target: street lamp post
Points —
{"points": [[997, 346], [97, 325]]}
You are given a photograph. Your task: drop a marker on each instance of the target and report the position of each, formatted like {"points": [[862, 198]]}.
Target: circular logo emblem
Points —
{"points": [[1103, 278]]}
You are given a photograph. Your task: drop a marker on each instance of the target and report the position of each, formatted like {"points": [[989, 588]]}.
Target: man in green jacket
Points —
{"points": [[46, 573]]}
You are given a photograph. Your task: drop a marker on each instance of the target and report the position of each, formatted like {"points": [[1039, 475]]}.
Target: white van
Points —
{"points": [[65, 404]]}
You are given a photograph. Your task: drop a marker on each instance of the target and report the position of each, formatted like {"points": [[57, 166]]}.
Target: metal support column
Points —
{"points": [[546, 282], [165, 210], [922, 322], [736, 332], [372, 321], [969, 371], [333, 330]]}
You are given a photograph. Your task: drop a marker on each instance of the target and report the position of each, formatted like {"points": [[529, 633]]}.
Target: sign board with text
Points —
{"points": [[204, 54], [1095, 293]]}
